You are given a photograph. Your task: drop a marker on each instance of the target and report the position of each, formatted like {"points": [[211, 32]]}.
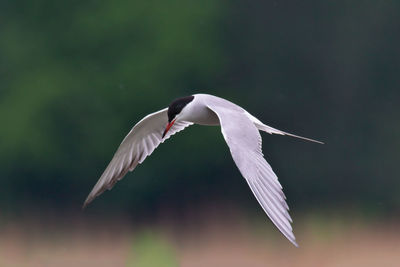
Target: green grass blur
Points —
{"points": [[151, 249]]}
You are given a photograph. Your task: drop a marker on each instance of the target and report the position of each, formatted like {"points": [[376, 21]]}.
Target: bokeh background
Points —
{"points": [[75, 76]]}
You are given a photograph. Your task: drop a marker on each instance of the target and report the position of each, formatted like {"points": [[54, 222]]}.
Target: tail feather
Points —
{"points": [[262, 127], [271, 130]]}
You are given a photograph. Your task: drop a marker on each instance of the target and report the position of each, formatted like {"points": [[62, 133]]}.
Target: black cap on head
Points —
{"points": [[177, 105]]}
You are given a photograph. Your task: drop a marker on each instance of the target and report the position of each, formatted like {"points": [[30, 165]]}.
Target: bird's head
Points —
{"points": [[175, 110]]}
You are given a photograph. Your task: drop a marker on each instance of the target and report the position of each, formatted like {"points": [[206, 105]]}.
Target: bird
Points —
{"points": [[241, 131]]}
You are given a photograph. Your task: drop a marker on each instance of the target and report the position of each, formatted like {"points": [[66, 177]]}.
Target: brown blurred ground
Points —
{"points": [[212, 240]]}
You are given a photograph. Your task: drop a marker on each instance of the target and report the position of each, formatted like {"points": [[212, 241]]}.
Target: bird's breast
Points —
{"points": [[201, 114]]}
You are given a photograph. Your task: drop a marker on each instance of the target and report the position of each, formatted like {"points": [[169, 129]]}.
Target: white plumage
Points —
{"points": [[241, 133]]}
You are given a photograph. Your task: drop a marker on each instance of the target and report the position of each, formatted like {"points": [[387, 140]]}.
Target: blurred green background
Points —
{"points": [[76, 76]]}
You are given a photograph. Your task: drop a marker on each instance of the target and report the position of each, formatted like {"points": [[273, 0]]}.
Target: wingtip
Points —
{"points": [[294, 243], [84, 206], [86, 203]]}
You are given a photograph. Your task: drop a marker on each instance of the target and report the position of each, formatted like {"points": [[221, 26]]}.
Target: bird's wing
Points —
{"points": [[244, 142], [140, 142]]}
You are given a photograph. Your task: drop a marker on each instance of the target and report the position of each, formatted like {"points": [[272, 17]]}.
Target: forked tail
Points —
{"points": [[262, 127]]}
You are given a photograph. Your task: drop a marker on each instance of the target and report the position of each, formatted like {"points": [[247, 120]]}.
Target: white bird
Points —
{"points": [[241, 132]]}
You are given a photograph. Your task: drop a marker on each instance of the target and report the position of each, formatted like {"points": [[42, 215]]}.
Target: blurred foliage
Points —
{"points": [[150, 250], [76, 76]]}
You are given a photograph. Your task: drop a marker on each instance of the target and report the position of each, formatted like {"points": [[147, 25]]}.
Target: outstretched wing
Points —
{"points": [[140, 142], [244, 141]]}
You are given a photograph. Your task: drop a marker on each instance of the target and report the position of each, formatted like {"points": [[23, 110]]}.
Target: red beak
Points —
{"points": [[169, 125]]}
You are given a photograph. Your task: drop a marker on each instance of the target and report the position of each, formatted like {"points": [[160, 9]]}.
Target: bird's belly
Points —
{"points": [[204, 116]]}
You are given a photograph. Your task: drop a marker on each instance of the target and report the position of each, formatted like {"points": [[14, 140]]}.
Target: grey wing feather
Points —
{"points": [[244, 142], [140, 142]]}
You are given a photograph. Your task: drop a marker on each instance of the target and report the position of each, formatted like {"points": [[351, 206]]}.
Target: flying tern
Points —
{"points": [[241, 132]]}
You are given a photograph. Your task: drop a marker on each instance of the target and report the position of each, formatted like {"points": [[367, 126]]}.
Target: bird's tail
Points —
{"points": [[262, 127]]}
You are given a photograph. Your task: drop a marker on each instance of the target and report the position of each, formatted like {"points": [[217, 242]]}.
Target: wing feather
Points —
{"points": [[244, 142], [140, 142]]}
